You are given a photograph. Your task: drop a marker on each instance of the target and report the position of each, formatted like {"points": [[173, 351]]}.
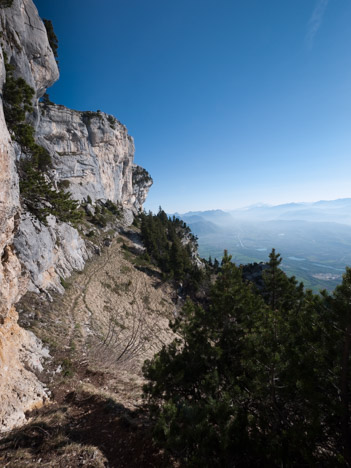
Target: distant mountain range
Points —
{"points": [[334, 211], [313, 238]]}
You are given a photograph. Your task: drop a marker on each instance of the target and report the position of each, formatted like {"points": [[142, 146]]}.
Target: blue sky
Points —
{"points": [[230, 102]]}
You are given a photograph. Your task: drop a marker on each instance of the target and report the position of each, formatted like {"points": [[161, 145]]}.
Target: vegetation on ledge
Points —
{"points": [[141, 175]]}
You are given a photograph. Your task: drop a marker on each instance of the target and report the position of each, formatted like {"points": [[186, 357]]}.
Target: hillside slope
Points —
{"points": [[113, 315]]}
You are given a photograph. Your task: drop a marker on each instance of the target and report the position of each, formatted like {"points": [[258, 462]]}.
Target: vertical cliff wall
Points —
{"points": [[92, 151], [92, 154], [25, 43]]}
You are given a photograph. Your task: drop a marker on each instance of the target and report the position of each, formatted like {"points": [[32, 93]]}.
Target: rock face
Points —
{"points": [[21, 354], [92, 155], [91, 151], [26, 45], [49, 252], [142, 182]]}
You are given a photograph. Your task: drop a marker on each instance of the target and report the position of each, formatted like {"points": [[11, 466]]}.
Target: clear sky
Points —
{"points": [[230, 102]]}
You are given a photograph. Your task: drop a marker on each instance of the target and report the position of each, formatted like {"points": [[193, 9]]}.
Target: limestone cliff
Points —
{"points": [[24, 40], [92, 151], [92, 155]]}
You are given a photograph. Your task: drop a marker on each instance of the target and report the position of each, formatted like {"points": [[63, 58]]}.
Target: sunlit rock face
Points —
{"points": [[21, 355], [25, 43], [92, 151], [49, 252]]}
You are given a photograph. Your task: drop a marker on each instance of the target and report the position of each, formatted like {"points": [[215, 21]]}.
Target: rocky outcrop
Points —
{"points": [[21, 354], [25, 43], [142, 183], [9, 211], [92, 156]]}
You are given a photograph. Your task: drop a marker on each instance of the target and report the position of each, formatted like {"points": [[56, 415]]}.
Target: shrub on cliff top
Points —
{"points": [[53, 41]]}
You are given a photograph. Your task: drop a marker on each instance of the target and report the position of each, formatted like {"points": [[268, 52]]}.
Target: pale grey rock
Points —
{"points": [[19, 388], [128, 217], [90, 210], [26, 44], [33, 353], [49, 252], [93, 153], [24, 39], [142, 183], [21, 355], [94, 156], [10, 270]]}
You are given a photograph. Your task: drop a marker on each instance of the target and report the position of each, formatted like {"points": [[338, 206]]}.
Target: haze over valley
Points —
{"points": [[314, 239]]}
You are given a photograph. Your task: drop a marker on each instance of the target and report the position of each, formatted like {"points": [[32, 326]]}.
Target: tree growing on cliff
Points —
{"points": [[37, 191]]}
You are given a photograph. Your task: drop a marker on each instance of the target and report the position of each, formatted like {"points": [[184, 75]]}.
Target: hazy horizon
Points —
{"points": [[253, 205]]}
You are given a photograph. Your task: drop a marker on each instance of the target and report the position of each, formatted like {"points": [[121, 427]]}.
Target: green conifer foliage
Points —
{"points": [[256, 380], [164, 239], [336, 318], [37, 191], [53, 40]]}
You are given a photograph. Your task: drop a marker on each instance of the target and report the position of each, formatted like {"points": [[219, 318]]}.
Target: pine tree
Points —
{"points": [[251, 382], [336, 341]]}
